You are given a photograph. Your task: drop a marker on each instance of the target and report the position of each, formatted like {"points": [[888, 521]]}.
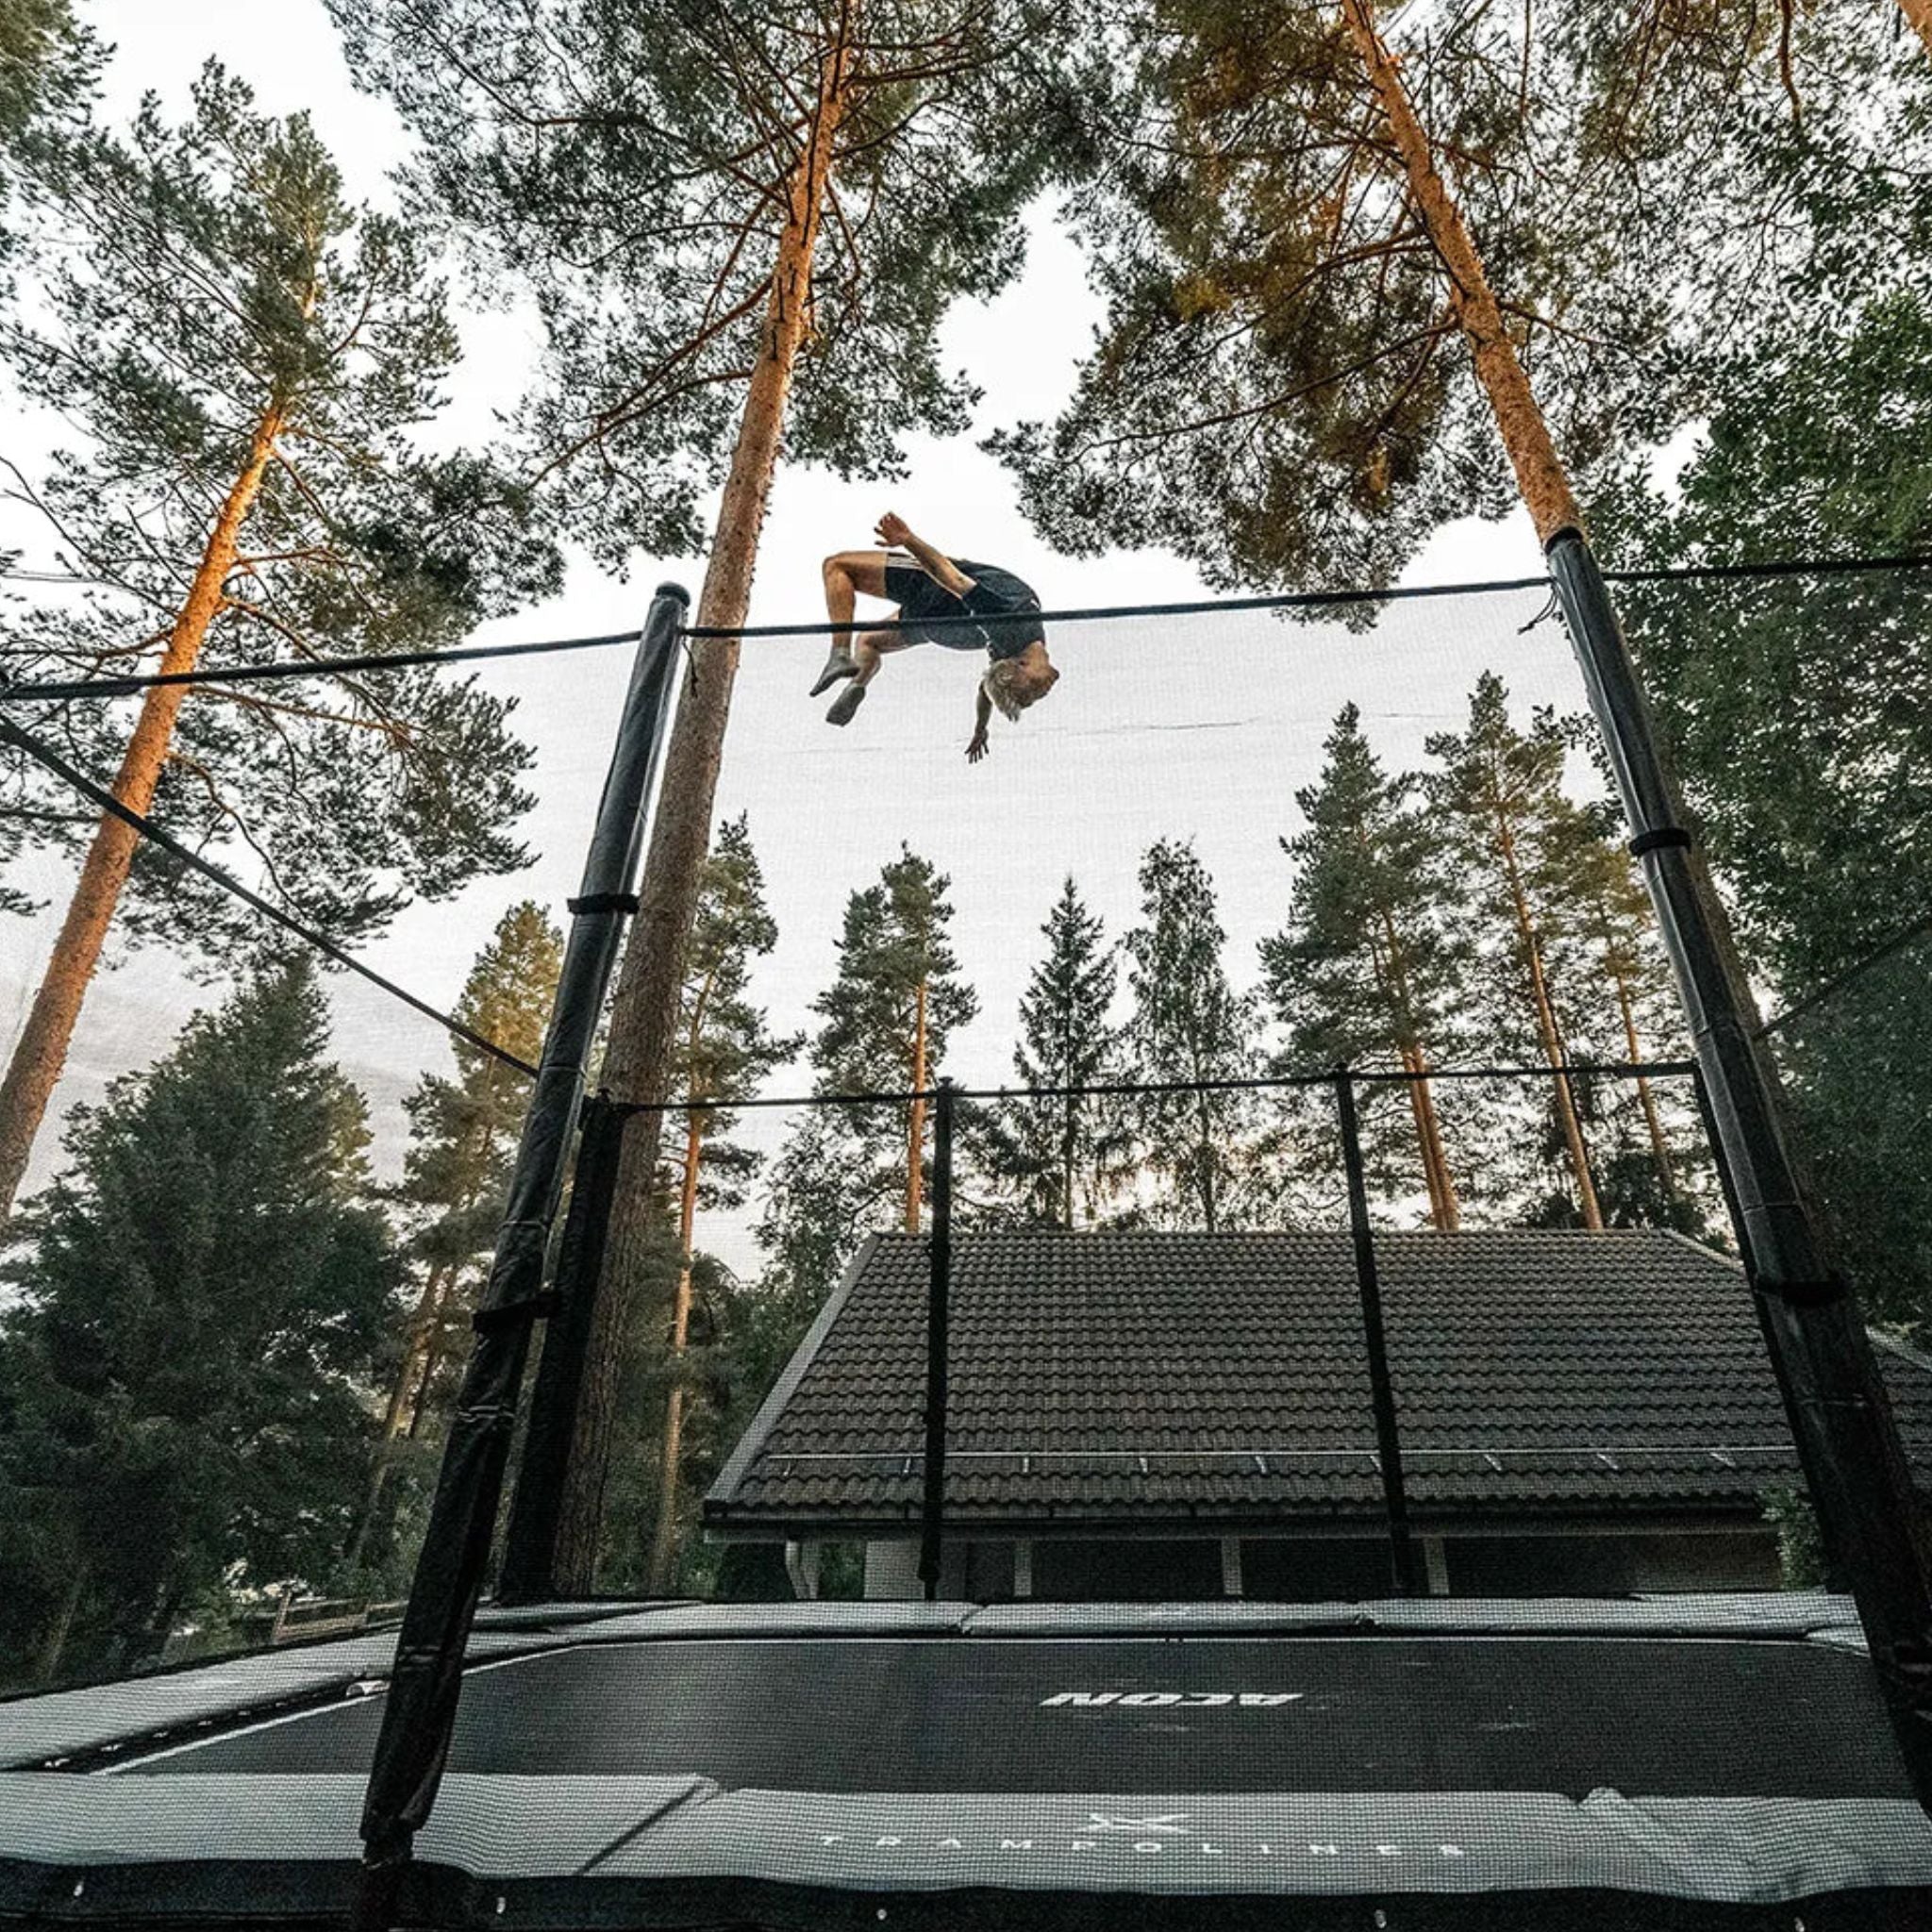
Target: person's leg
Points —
{"points": [[847, 574], [868, 649]]}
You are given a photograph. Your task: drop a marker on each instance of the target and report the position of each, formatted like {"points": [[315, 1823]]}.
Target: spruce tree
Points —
{"points": [[1518, 838], [463, 1134], [889, 1013], [1370, 968], [1189, 1024], [201, 1295], [246, 356], [1060, 1159], [727, 1050]]}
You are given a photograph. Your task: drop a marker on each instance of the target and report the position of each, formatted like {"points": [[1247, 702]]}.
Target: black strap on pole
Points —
{"points": [[938, 1314], [529, 1543], [419, 1714], [1840, 1415], [1402, 1551]]}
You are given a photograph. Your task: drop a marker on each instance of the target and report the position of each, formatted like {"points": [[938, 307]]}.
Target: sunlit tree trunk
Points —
{"points": [[645, 1015], [42, 1051], [1920, 13], [1633, 1046], [1445, 1208]]}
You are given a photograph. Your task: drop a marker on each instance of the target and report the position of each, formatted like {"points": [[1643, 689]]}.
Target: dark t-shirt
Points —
{"points": [[1008, 606]]}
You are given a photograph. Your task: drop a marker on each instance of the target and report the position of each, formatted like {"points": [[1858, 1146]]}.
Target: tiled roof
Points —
{"points": [[1152, 1378]]}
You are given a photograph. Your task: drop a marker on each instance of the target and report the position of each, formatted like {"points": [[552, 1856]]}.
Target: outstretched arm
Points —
{"points": [[976, 747], [896, 534]]}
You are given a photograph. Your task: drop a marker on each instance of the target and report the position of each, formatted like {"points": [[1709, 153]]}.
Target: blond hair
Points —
{"points": [[1014, 683]]}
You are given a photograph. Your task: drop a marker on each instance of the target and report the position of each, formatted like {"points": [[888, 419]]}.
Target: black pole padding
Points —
{"points": [[529, 1544], [418, 1713], [937, 1316], [1874, 1532], [1401, 1550]]}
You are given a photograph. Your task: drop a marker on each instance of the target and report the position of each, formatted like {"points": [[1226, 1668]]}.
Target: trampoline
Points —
{"points": [[1710, 1760]]}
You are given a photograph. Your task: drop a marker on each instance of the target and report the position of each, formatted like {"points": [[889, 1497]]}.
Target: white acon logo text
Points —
{"points": [[1172, 1700]]}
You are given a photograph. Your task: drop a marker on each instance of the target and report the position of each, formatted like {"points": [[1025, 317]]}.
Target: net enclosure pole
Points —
{"points": [[1840, 1415], [529, 1544], [937, 1316], [418, 1713], [1375, 1341]]}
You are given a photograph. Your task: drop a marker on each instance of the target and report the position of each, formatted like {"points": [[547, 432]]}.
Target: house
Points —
{"points": [[1139, 1415]]}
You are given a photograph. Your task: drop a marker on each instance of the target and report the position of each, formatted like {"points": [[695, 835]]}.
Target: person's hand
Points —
{"points": [[976, 747], [894, 531]]}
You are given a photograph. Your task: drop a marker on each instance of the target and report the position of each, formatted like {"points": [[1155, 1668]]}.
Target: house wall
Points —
{"points": [[1328, 1569]]}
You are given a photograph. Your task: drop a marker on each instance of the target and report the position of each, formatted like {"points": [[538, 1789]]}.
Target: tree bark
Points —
{"points": [[1659, 1147], [1445, 1210], [1547, 1033], [644, 1021], [664, 1537], [1540, 473], [42, 1051], [915, 1125], [1920, 13]]}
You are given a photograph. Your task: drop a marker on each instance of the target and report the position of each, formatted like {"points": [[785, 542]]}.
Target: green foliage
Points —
{"points": [[630, 165], [201, 287], [202, 1292], [1190, 1023], [1797, 713], [1800, 1547], [1371, 968], [1060, 1160]]}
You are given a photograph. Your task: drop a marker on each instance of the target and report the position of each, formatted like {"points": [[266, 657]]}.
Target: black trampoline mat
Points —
{"points": [[1655, 1717]]}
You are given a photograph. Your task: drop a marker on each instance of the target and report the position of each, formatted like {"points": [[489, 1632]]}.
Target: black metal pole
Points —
{"points": [[938, 1314], [1840, 1415], [1381, 1387], [529, 1542], [418, 1713]]}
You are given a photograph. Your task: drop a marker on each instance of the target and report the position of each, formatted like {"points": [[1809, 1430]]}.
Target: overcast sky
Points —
{"points": [[1201, 727]]}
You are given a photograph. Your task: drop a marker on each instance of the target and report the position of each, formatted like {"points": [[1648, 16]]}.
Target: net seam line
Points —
{"points": [[1837, 984], [1636, 1070], [67, 690], [1305, 600], [44, 754]]}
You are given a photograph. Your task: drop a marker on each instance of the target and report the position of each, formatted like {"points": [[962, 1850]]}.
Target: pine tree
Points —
{"points": [[1189, 1024], [203, 1292], [695, 199], [1057, 1159], [888, 1015], [463, 1134], [246, 354], [1370, 968], [1517, 836], [48, 62], [727, 1050]]}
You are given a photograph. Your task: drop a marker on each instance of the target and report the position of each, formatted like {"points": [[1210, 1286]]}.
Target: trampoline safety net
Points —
{"points": [[1184, 1321]]}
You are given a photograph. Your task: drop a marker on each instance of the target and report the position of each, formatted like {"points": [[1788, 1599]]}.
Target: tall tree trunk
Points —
{"points": [[42, 1050], [644, 1021], [53, 1645], [1547, 1033], [915, 1125], [1920, 13], [1445, 1210], [1540, 473], [664, 1537], [1659, 1147], [424, 1321]]}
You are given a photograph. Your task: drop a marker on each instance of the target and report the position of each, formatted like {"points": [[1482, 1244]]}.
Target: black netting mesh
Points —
{"points": [[1503, 1400]]}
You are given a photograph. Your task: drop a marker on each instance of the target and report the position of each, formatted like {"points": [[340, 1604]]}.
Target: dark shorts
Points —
{"points": [[1000, 615]]}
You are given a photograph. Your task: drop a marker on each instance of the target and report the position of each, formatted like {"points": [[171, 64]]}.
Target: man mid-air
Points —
{"points": [[989, 609]]}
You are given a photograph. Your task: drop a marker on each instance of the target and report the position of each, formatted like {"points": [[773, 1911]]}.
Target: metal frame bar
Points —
{"points": [[938, 1317], [1875, 1533], [419, 1714]]}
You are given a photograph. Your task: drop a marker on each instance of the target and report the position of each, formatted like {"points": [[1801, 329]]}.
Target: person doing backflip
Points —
{"points": [[943, 600]]}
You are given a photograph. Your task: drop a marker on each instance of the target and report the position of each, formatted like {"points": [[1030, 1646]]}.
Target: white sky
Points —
{"points": [[1202, 728]]}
